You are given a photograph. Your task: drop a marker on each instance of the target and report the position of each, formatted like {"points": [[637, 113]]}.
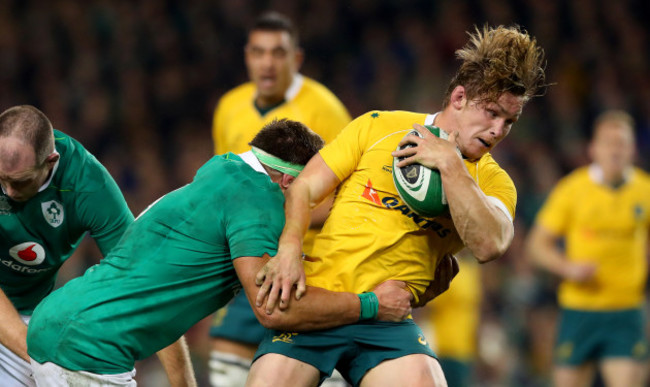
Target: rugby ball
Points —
{"points": [[418, 186]]}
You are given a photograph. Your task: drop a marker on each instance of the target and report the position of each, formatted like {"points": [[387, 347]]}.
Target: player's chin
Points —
{"points": [[474, 152]]}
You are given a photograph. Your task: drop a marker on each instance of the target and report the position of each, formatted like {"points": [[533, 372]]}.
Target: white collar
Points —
{"points": [[430, 118], [294, 88], [250, 159], [597, 176], [49, 179]]}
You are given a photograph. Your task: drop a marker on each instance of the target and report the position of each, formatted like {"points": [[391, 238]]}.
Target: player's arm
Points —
{"points": [[322, 309], [543, 250], [108, 221], [13, 331], [284, 270], [176, 361], [482, 225], [446, 270]]}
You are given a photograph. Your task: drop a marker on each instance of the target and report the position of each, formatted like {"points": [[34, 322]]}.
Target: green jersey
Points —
{"points": [[172, 268], [38, 235]]}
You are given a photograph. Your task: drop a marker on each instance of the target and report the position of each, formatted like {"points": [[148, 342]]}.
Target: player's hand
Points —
{"points": [[446, 270], [394, 300], [430, 151], [277, 278], [580, 272]]}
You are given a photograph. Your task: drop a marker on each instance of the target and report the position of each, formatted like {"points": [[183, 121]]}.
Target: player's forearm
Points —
{"points": [[297, 216], [317, 309], [13, 331], [177, 364], [484, 228], [542, 250]]}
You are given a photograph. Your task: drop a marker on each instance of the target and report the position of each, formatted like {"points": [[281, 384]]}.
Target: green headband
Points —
{"points": [[277, 163]]}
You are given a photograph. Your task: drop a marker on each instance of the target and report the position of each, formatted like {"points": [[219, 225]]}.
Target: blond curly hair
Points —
{"points": [[499, 60]]}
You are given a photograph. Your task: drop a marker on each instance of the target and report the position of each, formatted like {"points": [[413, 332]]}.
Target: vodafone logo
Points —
{"points": [[29, 253]]}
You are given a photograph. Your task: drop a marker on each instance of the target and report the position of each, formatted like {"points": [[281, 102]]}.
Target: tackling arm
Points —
{"points": [[309, 189], [13, 331], [320, 308]]}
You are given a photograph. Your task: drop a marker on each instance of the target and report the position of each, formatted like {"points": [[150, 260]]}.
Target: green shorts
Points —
{"points": [[238, 323], [351, 349], [585, 336]]}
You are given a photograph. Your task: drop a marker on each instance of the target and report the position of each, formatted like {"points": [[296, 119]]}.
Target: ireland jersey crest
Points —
{"points": [[53, 213]]}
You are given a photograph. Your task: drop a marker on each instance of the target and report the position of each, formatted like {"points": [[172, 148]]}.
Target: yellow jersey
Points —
{"points": [[607, 226], [236, 119], [454, 315], [371, 235]]}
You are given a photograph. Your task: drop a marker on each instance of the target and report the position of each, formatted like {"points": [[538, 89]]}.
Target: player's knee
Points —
{"points": [[227, 370], [272, 369]]}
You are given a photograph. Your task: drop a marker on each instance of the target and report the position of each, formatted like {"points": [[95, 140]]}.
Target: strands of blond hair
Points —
{"points": [[498, 60]]}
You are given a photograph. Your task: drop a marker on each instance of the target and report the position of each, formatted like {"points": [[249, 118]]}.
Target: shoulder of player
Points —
{"points": [[488, 166], [578, 179], [232, 171], [397, 119], [235, 95], [312, 91], [643, 176], [312, 86], [78, 170]]}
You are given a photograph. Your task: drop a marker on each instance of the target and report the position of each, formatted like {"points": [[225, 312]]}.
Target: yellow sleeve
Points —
{"points": [[343, 154], [556, 212], [496, 182]]}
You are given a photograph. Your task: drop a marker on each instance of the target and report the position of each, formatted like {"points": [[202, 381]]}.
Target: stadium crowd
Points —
{"points": [[136, 83]]}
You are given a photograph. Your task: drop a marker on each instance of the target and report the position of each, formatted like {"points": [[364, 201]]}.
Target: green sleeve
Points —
{"points": [[104, 213]]}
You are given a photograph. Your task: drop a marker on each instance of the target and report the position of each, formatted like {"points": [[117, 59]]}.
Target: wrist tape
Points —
{"points": [[369, 306]]}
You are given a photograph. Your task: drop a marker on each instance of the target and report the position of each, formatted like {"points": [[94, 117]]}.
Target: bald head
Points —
{"points": [[29, 126], [27, 153], [16, 155]]}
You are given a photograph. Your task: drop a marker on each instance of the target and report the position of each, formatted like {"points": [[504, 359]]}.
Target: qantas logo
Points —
{"points": [[370, 194], [28, 253], [394, 203]]}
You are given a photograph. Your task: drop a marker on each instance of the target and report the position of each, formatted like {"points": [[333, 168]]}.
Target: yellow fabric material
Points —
{"points": [[454, 315], [236, 120], [605, 226], [371, 235]]}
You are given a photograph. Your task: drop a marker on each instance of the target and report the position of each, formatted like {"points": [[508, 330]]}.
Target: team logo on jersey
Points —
{"points": [[53, 213], [285, 337], [5, 207], [370, 193], [29, 253], [421, 339]]}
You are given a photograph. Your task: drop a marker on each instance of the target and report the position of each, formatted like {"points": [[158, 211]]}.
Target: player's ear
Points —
{"points": [[286, 181], [457, 98], [52, 158]]}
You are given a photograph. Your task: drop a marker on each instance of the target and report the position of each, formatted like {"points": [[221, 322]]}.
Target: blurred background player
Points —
{"points": [[53, 192], [370, 235], [451, 321], [276, 90], [602, 214]]}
